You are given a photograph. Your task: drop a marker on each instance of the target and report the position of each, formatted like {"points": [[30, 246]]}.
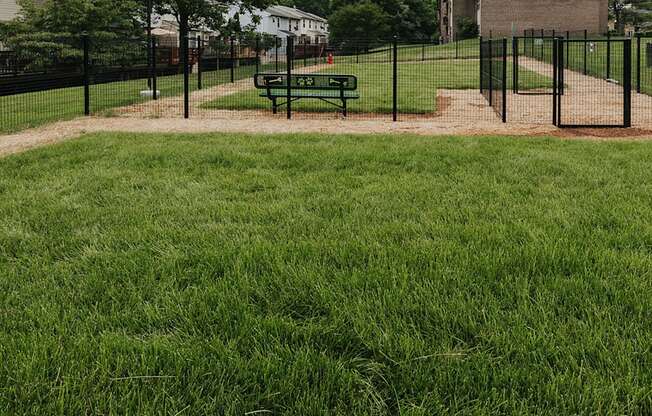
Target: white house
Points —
{"points": [[286, 22], [8, 10]]}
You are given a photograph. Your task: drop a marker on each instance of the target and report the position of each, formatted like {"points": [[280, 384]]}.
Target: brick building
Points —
{"points": [[507, 17]]}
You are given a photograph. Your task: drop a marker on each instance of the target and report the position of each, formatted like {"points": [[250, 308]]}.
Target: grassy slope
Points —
{"points": [[462, 49], [418, 84], [326, 275]]}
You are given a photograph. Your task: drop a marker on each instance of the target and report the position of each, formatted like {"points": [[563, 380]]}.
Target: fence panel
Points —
{"points": [[494, 75], [591, 100], [41, 84]]}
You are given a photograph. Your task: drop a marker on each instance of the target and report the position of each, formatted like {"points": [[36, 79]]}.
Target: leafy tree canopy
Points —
{"points": [[409, 19], [359, 23]]}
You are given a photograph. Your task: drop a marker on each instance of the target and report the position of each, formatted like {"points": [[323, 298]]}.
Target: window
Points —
{"points": [[304, 24]]}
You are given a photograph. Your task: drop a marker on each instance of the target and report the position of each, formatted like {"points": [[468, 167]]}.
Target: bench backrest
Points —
{"points": [[307, 82]]}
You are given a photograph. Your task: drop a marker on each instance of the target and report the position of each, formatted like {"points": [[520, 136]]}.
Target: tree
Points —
{"points": [[616, 10], [409, 19], [467, 28], [636, 12], [361, 22], [206, 14], [50, 32]]}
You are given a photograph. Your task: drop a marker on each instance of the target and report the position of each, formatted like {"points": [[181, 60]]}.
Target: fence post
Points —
{"points": [[149, 42], [186, 77], [586, 37], [305, 55], [490, 60], [395, 81], [481, 66], [290, 57], [504, 76], [562, 73], [543, 34], [638, 63], [257, 53], [232, 60], [87, 75], [555, 79], [276, 46], [515, 65], [567, 47], [457, 49], [154, 80], [608, 55], [423, 52], [627, 83], [200, 52]]}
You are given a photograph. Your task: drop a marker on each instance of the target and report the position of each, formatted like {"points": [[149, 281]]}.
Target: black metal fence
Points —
{"points": [[590, 101], [493, 78], [597, 78], [396, 79]]}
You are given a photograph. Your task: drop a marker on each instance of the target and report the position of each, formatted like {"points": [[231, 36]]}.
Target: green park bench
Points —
{"points": [[332, 89]]}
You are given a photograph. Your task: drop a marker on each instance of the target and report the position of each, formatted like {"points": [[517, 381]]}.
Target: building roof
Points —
{"points": [[292, 13]]}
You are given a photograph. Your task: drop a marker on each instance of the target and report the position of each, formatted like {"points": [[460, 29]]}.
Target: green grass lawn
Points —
{"points": [[417, 85], [414, 52], [326, 275], [34, 109]]}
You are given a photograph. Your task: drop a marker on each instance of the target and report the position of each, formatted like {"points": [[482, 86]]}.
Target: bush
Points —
{"points": [[466, 28]]}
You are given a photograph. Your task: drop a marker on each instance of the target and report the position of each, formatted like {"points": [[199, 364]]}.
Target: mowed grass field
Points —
{"points": [[418, 83], [326, 275]]}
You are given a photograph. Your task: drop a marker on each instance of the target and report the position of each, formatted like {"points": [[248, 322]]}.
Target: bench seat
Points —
{"points": [[333, 89], [349, 95]]}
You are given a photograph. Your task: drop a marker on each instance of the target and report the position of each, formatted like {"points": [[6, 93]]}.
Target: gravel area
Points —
{"points": [[61, 131]]}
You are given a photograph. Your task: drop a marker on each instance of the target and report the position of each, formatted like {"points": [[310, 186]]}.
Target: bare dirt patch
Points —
{"points": [[67, 130], [173, 106], [586, 100]]}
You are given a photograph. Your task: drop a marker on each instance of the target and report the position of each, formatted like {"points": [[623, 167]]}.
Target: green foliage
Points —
{"points": [[409, 19], [361, 22], [466, 28], [50, 33], [635, 12], [204, 13]]}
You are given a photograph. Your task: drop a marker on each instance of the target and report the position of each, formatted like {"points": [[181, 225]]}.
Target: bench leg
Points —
{"points": [[274, 106], [345, 108]]}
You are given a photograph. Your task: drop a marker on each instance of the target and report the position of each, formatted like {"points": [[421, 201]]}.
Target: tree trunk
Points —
{"points": [[184, 30]]}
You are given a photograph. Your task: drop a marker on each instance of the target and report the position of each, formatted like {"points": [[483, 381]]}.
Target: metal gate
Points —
{"points": [[592, 83]]}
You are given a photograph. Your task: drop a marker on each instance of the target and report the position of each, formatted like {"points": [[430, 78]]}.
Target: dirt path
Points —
{"points": [[67, 130], [173, 106], [587, 100]]}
